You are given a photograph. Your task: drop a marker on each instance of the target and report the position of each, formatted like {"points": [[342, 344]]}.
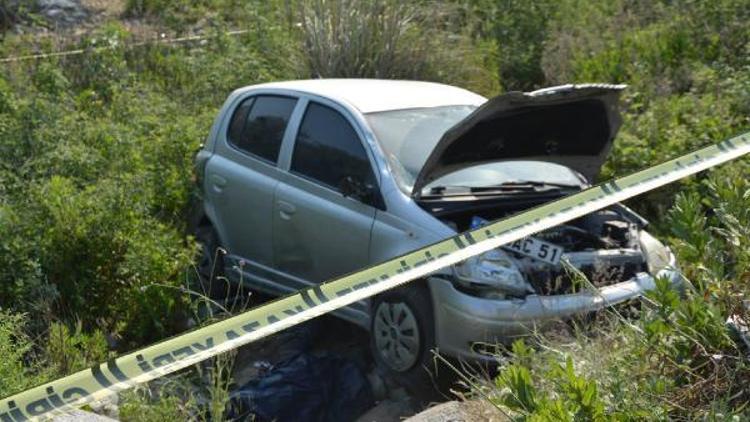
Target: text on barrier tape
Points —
{"points": [[187, 349]]}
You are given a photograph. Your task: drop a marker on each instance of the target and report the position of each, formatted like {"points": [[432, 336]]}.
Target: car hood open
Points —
{"points": [[572, 125]]}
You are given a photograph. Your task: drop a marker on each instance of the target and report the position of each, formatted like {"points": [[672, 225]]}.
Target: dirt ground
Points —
{"points": [[327, 335]]}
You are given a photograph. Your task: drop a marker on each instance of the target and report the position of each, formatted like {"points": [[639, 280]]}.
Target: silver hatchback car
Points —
{"points": [[304, 181]]}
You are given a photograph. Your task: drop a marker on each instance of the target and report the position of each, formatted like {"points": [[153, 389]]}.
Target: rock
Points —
{"points": [[460, 411], [64, 12], [389, 410], [107, 406], [81, 416], [451, 411]]}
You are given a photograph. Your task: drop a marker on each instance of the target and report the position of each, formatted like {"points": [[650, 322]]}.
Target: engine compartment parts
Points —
{"points": [[603, 247]]}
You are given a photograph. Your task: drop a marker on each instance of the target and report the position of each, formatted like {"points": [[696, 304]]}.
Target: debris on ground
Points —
{"points": [[306, 387], [294, 375]]}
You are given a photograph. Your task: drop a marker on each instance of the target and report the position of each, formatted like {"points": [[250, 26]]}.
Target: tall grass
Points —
{"points": [[390, 39]]}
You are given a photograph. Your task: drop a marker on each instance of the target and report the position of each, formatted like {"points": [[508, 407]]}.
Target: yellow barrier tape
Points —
{"points": [[190, 348]]}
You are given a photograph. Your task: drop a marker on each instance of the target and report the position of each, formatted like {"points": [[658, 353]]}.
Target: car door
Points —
{"points": [[321, 225], [242, 176]]}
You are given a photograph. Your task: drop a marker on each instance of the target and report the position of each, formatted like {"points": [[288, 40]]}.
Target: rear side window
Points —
{"points": [[258, 125], [328, 149]]}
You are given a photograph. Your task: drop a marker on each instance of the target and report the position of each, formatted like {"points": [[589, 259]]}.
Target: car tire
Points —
{"points": [[402, 339], [210, 265]]}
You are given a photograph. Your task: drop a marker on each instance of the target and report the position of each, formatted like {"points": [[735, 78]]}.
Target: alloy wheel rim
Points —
{"points": [[396, 335]]}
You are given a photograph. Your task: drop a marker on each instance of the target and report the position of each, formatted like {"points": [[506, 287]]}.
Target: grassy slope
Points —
{"points": [[95, 170]]}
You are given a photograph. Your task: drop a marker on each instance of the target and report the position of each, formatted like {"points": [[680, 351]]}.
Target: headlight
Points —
{"points": [[656, 254], [492, 270]]}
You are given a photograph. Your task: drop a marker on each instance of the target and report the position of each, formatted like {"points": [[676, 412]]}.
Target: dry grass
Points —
{"points": [[392, 40]]}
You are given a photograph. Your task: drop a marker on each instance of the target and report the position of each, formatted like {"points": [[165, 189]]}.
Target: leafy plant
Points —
{"points": [[679, 358], [13, 12], [69, 351], [14, 347]]}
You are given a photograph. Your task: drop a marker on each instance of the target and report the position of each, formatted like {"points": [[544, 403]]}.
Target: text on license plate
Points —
{"points": [[537, 249]]}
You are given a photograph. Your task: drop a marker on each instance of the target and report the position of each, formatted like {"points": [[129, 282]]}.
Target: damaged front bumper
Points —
{"points": [[464, 323]]}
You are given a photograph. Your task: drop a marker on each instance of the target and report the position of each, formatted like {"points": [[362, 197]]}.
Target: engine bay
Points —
{"points": [[603, 246]]}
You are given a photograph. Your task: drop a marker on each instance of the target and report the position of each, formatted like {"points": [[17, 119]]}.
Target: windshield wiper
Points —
{"points": [[531, 183], [506, 187]]}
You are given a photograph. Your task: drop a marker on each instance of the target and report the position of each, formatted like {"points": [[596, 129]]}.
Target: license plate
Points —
{"points": [[537, 249], [529, 246]]}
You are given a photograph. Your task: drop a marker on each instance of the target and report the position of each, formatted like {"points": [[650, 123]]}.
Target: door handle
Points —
{"points": [[218, 180], [218, 183], [286, 209]]}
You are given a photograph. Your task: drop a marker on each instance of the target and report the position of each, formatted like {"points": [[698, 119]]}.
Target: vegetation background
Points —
{"points": [[96, 178]]}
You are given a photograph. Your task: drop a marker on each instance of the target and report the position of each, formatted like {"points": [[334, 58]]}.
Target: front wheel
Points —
{"points": [[403, 337]]}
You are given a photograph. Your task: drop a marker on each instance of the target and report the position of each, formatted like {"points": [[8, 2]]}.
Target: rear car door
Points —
{"points": [[242, 176], [321, 231]]}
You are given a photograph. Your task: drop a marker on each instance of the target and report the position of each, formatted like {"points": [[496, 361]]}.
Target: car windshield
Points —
{"points": [[409, 136]]}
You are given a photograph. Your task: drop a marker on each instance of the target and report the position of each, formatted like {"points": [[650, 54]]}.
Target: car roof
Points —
{"points": [[373, 95]]}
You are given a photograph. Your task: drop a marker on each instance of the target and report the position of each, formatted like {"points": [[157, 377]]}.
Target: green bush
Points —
{"points": [[519, 30], [678, 360], [13, 12], [167, 408], [96, 177], [68, 351], [96, 174], [27, 362], [15, 345]]}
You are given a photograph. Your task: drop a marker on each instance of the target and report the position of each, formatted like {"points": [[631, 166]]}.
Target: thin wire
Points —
{"points": [[137, 44]]}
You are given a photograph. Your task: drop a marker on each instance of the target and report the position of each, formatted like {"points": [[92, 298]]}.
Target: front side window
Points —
{"points": [[258, 125], [329, 151]]}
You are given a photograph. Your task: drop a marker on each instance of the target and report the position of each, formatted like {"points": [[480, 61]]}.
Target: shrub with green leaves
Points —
{"points": [[15, 345], [679, 358], [96, 176], [26, 362], [13, 12]]}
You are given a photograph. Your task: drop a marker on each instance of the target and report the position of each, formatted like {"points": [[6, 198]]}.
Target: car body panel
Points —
{"points": [[571, 125], [319, 213], [239, 189], [318, 233], [240, 194], [276, 283], [373, 95], [467, 321]]}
